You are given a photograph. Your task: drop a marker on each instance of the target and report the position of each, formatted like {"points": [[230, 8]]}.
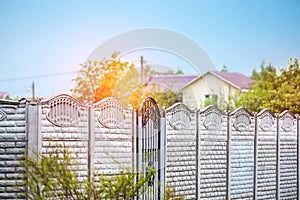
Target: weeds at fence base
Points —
{"points": [[53, 176]]}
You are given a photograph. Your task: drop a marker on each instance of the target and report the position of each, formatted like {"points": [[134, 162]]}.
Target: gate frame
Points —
{"points": [[144, 114]]}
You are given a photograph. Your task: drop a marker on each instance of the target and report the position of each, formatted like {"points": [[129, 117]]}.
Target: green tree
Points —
{"points": [[274, 92], [261, 91], [178, 71], [224, 68], [112, 77], [126, 86], [10, 98], [286, 95], [97, 80]]}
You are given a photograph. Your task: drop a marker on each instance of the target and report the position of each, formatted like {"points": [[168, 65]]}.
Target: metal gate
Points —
{"points": [[149, 151]]}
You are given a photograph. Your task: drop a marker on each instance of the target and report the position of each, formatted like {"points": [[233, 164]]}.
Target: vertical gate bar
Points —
{"points": [[255, 156], [197, 156], [277, 158], [228, 167], [139, 145], [159, 136]]}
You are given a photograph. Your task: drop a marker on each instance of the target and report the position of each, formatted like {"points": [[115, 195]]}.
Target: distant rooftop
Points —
{"points": [[173, 82], [239, 80]]}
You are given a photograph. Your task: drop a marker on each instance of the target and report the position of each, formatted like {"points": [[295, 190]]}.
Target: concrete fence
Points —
{"points": [[203, 154]]}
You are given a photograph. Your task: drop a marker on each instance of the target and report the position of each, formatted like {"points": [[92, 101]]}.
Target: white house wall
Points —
{"points": [[207, 84]]}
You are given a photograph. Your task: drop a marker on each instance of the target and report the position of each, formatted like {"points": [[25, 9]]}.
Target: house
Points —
{"points": [[214, 87], [196, 91]]}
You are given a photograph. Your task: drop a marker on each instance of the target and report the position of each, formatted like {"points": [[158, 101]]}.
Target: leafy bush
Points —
{"points": [[53, 176]]}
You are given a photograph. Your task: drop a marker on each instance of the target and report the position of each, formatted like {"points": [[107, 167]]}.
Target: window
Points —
{"points": [[210, 99]]}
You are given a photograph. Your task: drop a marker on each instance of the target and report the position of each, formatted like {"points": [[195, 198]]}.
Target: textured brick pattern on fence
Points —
{"points": [[112, 137], [13, 142], [181, 160], [210, 154], [64, 123], [288, 156], [266, 156], [242, 155]]}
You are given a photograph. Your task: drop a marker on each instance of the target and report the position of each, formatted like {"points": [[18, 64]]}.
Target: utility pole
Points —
{"points": [[142, 70], [32, 90]]}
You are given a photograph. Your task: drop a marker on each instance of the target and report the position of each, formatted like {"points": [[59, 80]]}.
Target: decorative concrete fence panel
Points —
{"points": [[265, 156], [241, 154], [64, 122], [181, 150], [287, 162], [212, 154], [202, 154], [13, 144], [98, 136], [111, 137]]}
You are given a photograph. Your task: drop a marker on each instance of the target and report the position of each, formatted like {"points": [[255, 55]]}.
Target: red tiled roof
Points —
{"points": [[239, 80]]}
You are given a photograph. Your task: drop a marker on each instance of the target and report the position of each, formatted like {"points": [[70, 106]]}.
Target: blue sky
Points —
{"points": [[54, 37]]}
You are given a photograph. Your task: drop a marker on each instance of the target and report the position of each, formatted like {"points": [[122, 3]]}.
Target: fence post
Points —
{"points": [[34, 136], [162, 151], [255, 156], [197, 155], [228, 172], [277, 158], [91, 141], [298, 157]]}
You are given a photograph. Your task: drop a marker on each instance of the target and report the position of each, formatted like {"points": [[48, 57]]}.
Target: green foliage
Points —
{"points": [[272, 91], [112, 77], [170, 193], [86, 81], [285, 94], [53, 176], [166, 99], [130, 90], [267, 73], [178, 71], [123, 186], [211, 100], [7, 97], [163, 99], [102, 74], [261, 91], [50, 176], [224, 68], [126, 86]]}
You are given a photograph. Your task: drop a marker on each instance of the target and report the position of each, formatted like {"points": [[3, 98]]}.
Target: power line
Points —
{"points": [[37, 76]]}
